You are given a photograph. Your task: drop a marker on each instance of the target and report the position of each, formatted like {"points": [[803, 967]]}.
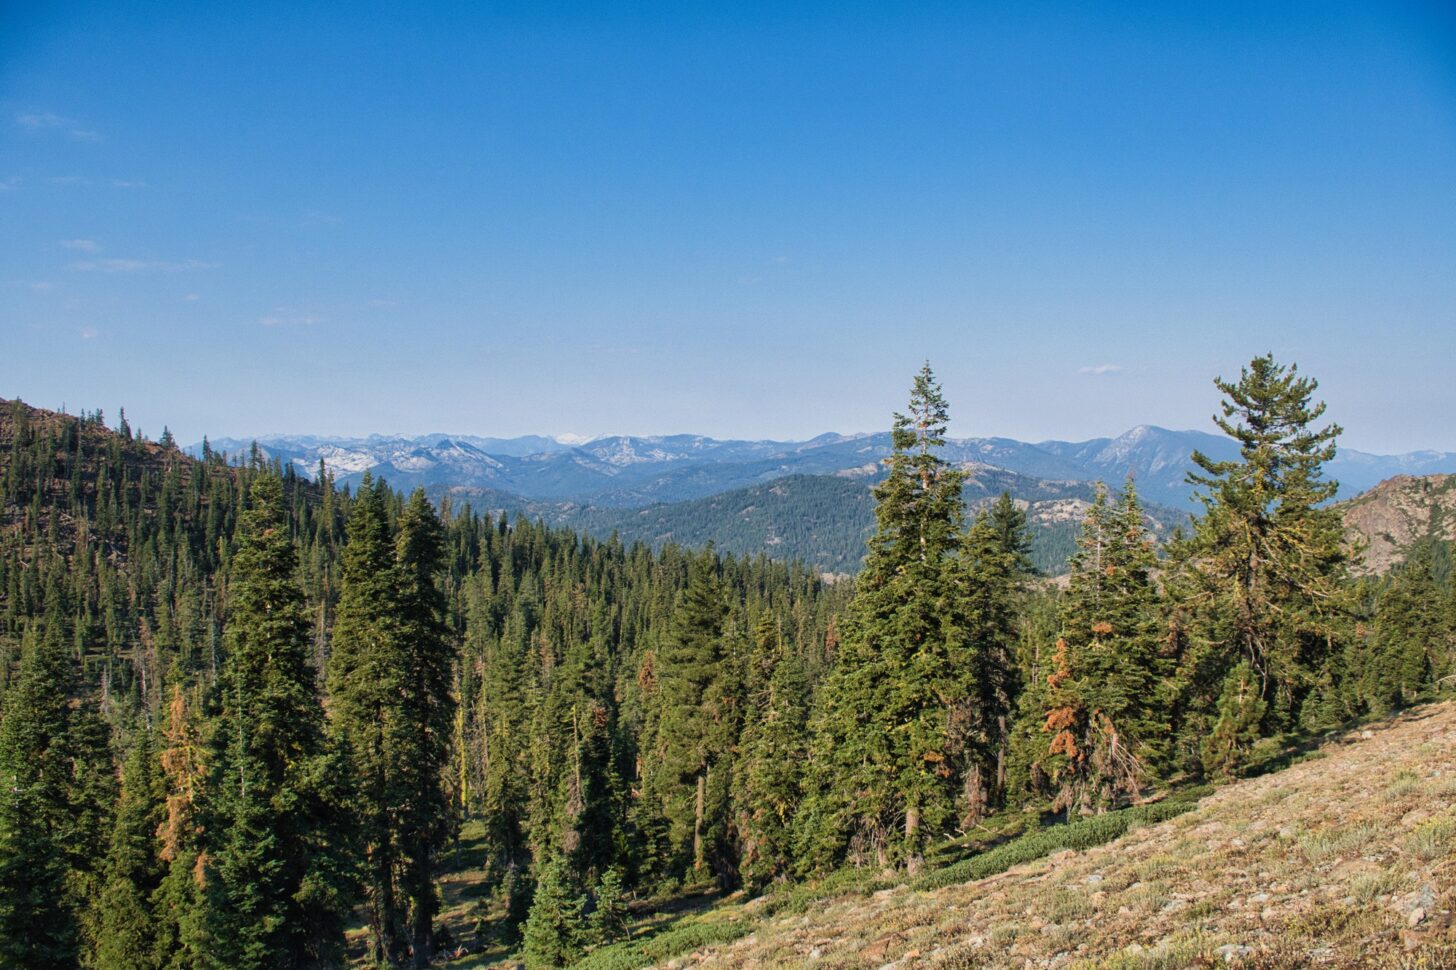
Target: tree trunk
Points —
{"points": [[698, 823], [912, 836]]}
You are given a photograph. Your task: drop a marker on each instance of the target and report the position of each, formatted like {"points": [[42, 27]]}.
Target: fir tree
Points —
{"points": [[178, 904], [768, 780], [609, 916], [366, 675], [277, 890], [1413, 635], [134, 870], [1105, 716], [1240, 710], [421, 747], [554, 928], [989, 570], [38, 909], [882, 730], [1262, 578], [694, 731]]}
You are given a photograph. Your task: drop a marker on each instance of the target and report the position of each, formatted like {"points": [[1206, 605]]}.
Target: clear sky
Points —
{"points": [[737, 219]]}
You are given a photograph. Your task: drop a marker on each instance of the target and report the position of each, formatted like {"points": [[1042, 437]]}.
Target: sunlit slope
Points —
{"points": [[1348, 858]]}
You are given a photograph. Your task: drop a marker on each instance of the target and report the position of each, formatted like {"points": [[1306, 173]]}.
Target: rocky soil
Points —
{"points": [[1346, 859]]}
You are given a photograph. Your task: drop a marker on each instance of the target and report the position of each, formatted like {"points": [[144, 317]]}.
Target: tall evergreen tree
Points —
{"points": [[990, 568], [882, 736], [1263, 573], [1106, 713], [554, 929], [421, 748], [768, 780], [1412, 642], [278, 883], [695, 725], [179, 906], [366, 677], [39, 912], [134, 869]]}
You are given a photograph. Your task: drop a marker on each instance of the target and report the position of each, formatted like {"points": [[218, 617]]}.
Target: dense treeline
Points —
{"points": [[273, 703]]}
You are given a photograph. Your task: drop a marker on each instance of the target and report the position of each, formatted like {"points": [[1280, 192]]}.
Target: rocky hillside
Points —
{"points": [[1397, 512], [1348, 858]]}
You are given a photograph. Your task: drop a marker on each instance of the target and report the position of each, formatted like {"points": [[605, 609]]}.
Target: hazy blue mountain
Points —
{"points": [[822, 520], [630, 472]]}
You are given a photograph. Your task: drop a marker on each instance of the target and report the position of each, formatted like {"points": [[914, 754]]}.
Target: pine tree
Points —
{"points": [[610, 915], [1240, 711], [553, 930], [989, 570], [1105, 715], [1263, 574], [133, 873], [1413, 635], [178, 905], [882, 736], [421, 747], [277, 886], [694, 731], [768, 781], [1008, 520], [366, 677], [38, 909]]}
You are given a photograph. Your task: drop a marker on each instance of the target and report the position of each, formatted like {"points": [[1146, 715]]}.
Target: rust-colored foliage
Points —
{"points": [[182, 765]]}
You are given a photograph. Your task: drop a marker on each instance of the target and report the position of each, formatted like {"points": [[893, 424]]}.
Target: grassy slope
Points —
{"points": [[1348, 858]]}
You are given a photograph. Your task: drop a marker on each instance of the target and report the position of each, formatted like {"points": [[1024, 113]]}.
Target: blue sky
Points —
{"points": [[749, 220]]}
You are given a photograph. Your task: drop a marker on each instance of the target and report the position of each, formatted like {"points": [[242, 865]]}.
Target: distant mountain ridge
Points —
{"points": [[622, 471]]}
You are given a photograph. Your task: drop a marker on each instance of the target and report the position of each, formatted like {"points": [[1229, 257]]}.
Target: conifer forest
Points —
{"points": [[251, 720]]}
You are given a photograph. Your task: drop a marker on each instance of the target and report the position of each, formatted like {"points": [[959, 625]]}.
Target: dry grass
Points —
{"points": [[1348, 859]]}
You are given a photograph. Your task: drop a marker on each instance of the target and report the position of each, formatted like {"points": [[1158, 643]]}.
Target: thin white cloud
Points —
{"points": [[141, 265], [1100, 370], [41, 119], [191, 298], [84, 245], [41, 286], [7, 184], [127, 184], [49, 121], [89, 333], [69, 180]]}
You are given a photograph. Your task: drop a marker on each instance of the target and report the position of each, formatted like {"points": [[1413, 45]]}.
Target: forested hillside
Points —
{"points": [[244, 716], [824, 520]]}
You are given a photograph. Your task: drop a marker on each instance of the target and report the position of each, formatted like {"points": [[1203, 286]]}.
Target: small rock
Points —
{"points": [[1287, 831], [1230, 952], [815, 953], [1367, 733], [1414, 817], [1175, 905], [1094, 879], [1259, 898], [1417, 917]]}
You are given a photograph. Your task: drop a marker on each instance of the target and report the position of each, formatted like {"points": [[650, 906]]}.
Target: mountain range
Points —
{"points": [[789, 499], [620, 471]]}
